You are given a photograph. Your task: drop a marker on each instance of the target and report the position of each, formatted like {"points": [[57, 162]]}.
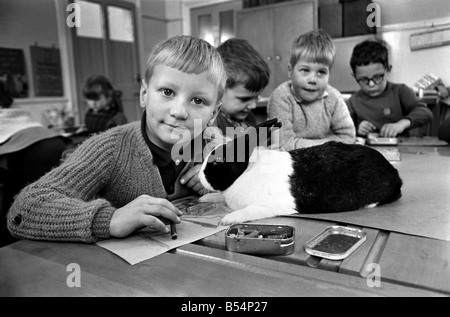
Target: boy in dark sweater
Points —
{"points": [[247, 76], [381, 106]]}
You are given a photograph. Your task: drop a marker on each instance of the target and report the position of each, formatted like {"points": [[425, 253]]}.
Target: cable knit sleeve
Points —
{"points": [[342, 125], [280, 106], [63, 204]]}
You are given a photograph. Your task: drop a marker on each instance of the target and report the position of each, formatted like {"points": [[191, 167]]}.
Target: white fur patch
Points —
{"points": [[201, 175], [264, 186]]}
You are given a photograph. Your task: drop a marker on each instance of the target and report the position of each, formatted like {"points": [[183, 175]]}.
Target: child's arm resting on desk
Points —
{"points": [[62, 205], [342, 125], [67, 204], [416, 111]]}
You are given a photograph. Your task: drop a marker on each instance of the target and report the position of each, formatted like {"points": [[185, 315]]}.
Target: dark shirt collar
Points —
{"points": [[161, 157], [232, 122]]}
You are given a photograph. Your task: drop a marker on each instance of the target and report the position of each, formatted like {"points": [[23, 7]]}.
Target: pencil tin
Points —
{"points": [[375, 139], [335, 242], [260, 239]]}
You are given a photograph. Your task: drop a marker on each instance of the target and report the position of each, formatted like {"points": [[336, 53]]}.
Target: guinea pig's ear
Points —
{"points": [[264, 131]]}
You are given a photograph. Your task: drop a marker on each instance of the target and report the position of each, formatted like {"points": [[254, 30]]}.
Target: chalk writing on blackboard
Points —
{"points": [[12, 71], [47, 75]]}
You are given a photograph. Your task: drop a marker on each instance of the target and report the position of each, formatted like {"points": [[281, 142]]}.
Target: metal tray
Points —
{"points": [[375, 139], [335, 242], [260, 239]]}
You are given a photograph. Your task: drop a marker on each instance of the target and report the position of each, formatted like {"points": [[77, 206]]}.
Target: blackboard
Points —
{"points": [[12, 71], [47, 74]]}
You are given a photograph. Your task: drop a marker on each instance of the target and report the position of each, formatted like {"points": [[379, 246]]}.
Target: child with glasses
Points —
{"points": [[380, 106], [311, 111], [105, 105], [124, 179]]}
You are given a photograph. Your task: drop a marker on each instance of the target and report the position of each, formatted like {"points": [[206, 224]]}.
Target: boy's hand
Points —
{"points": [[366, 127], [143, 212], [391, 130], [191, 180]]}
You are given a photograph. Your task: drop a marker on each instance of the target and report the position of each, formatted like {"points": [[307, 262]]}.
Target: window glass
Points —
{"points": [[120, 23], [91, 20]]}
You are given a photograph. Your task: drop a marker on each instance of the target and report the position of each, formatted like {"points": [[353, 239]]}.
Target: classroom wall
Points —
{"points": [[160, 20], [401, 11], [400, 19], [409, 66], [37, 26], [26, 22], [23, 24]]}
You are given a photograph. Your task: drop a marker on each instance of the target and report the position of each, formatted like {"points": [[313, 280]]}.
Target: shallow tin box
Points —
{"points": [[375, 139], [335, 242], [260, 239]]}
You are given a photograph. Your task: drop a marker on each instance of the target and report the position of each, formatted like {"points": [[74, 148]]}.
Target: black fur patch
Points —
{"points": [[219, 172], [336, 177]]}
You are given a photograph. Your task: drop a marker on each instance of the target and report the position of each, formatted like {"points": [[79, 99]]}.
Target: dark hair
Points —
{"points": [[370, 52], [5, 96], [244, 65], [97, 85]]}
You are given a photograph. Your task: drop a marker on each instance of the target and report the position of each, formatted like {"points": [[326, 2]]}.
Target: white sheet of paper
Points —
{"points": [[145, 244], [199, 220]]}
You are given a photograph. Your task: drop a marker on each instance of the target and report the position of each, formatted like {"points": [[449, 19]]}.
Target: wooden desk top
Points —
{"points": [[409, 266], [34, 268]]}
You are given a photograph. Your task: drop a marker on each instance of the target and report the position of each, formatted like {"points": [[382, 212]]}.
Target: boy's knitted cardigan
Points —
{"points": [[75, 201]]}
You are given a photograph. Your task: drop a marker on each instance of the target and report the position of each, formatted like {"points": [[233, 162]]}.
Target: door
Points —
{"points": [[290, 21], [215, 23], [105, 44], [272, 29], [256, 26]]}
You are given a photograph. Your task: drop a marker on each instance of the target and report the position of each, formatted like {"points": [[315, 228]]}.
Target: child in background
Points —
{"points": [[381, 106], [121, 180], [105, 105], [311, 111], [247, 76]]}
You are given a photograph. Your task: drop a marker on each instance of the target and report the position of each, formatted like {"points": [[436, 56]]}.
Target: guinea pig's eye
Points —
{"points": [[218, 160]]}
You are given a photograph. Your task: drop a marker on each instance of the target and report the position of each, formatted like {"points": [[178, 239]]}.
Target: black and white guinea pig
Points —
{"points": [[332, 177]]}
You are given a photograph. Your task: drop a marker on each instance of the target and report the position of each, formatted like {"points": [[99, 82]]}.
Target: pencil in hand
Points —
{"points": [[173, 231]]}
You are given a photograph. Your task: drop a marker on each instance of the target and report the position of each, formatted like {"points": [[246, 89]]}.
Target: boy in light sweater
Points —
{"points": [[121, 180], [311, 111]]}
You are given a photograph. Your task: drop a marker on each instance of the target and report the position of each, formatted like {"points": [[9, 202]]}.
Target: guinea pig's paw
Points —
{"points": [[212, 198], [230, 219], [245, 214]]}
